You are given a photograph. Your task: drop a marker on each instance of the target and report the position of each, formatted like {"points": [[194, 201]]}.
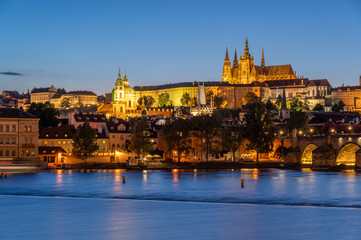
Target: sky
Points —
{"points": [[79, 45]]}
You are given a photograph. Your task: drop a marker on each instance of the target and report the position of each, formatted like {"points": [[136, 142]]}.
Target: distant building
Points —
{"points": [[244, 71], [18, 135], [42, 95], [349, 95]]}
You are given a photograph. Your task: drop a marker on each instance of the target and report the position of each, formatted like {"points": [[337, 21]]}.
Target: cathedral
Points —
{"points": [[243, 71]]}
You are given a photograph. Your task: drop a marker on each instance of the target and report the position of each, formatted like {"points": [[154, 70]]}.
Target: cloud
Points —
{"points": [[11, 73]]}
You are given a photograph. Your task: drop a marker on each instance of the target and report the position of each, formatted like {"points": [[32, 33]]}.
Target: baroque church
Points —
{"points": [[243, 70], [124, 99]]}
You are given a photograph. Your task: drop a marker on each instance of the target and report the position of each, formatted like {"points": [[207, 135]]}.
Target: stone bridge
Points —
{"points": [[326, 151]]}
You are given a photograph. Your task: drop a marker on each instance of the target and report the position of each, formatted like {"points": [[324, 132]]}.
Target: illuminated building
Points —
{"points": [[18, 135], [244, 71], [349, 95]]}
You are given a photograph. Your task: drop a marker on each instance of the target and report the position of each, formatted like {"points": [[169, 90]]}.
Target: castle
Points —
{"points": [[243, 71]]}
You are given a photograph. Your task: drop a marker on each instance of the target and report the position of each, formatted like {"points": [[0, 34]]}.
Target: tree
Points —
{"points": [[176, 135], [298, 120], [139, 143], [218, 101], [338, 107], [260, 130], [148, 101], [49, 116], [296, 104], [186, 100], [270, 106], [318, 108], [65, 103], [208, 128], [84, 141], [249, 98], [279, 102], [163, 99], [232, 138]]}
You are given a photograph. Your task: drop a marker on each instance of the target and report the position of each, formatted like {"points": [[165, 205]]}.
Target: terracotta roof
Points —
{"points": [[106, 108], [117, 126], [319, 82], [347, 88], [81, 117], [61, 132], [275, 70], [14, 113], [287, 82]]}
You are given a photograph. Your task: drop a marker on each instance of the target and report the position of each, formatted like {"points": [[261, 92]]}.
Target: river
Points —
{"points": [[274, 204]]}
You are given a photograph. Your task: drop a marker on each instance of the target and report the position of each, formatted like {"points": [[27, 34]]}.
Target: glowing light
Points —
{"points": [[281, 132], [175, 170], [300, 132], [332, 130]]}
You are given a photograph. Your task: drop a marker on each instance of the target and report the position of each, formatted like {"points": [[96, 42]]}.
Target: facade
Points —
{"points": [[350, 96], [244, 71], [18, 135], [124, 99], [42, 95], [74, 99]]}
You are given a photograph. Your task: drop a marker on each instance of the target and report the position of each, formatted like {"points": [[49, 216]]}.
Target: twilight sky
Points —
{"points": [[79, 45]]}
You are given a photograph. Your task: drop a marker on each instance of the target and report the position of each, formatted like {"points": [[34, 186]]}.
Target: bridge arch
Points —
{"points": [[347, 154], [307, 154]]}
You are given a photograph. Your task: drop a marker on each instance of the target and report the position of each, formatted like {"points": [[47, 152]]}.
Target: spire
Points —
{"points": [[262, 61], [235, 61], [246, 54], [119, 79], [125, 79], [226, 54]]}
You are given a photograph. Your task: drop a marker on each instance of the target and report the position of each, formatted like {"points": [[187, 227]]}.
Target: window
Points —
{"points": [[1, 128], [27, 153], [26, 140], [22, 153], [25, 128], [7, 153], [30, 140], [29, 129], [13, 153], [13, 128], [1, 140], [33, 153], [7, 128], [7, 140], [1, 152], [13, 140]]}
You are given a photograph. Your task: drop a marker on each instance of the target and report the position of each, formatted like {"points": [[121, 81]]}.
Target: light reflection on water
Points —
{"points": [[270, 186]]}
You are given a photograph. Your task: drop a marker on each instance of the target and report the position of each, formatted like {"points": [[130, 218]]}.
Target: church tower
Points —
{"points": [[227, 71], [247, 72], [235, 68], [118, 97]]}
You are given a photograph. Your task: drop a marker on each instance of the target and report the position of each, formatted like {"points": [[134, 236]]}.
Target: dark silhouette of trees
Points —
{"points": [[49, 116], [84, 141]]}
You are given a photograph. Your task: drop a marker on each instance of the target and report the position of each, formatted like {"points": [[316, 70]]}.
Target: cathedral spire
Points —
{"points": [[262, 61], [235, 61], [226, 54], [246, 54]]}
